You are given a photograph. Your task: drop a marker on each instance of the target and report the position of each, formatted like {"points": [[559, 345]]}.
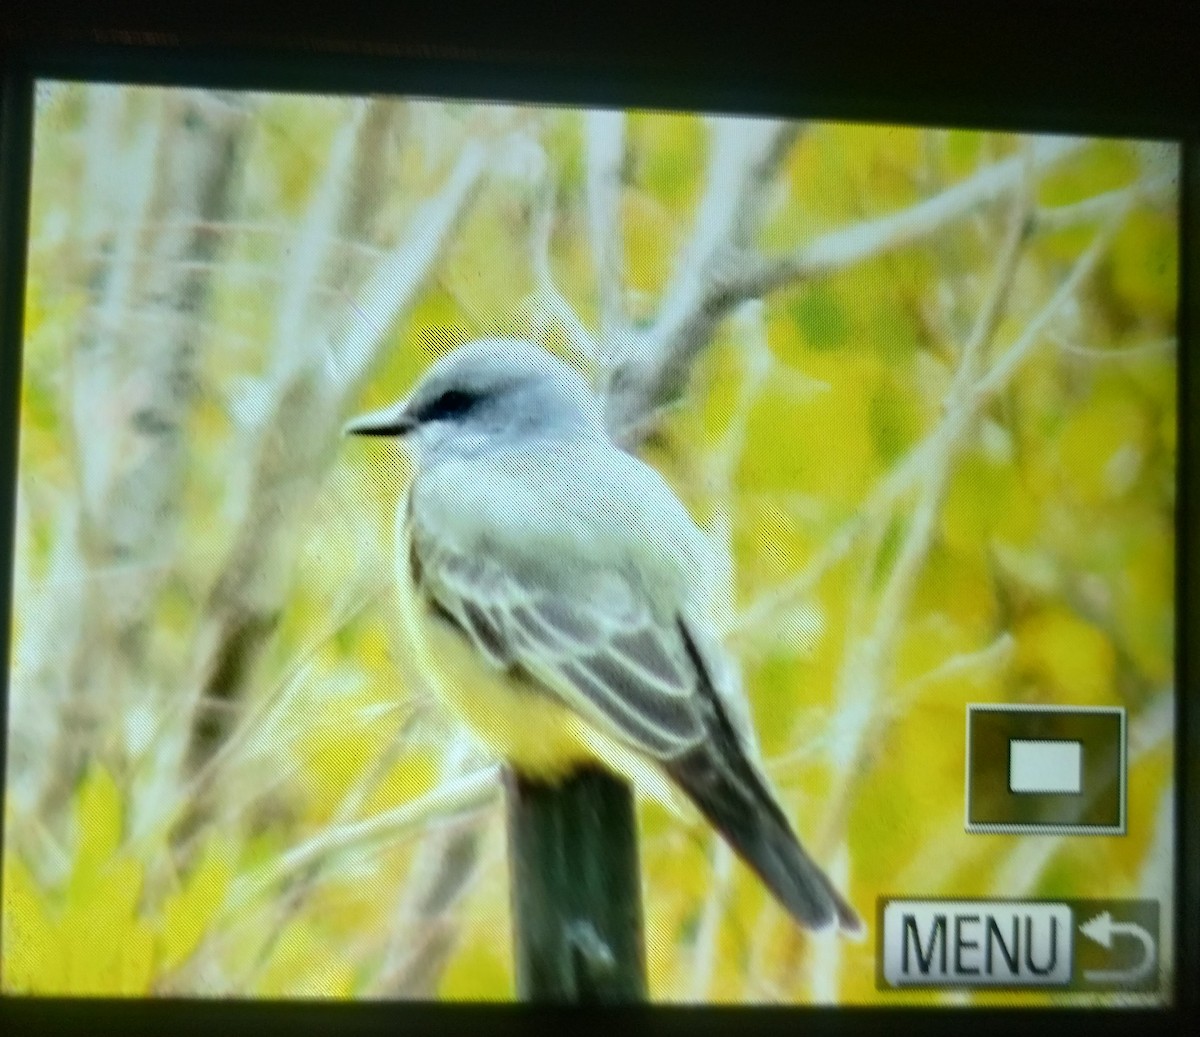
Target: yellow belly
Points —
{"points": [[520, 723]]}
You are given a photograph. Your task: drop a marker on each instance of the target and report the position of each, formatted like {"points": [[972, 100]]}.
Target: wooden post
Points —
{"points": [[576, 890]]}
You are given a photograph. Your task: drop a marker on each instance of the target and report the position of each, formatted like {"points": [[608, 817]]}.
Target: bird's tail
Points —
{"points": [[731, 794]]}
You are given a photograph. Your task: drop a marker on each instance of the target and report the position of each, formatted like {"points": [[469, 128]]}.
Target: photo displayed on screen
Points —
{"points": [[484, 552]]}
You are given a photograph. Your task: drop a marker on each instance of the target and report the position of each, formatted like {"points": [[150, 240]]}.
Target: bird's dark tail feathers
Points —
{"points": [[751, 822], [721, 780]]}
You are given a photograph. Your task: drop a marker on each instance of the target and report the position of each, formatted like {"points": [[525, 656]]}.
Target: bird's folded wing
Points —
{"points": [[592, 644]]}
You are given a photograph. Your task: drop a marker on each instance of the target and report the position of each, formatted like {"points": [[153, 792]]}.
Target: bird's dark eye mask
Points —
{"points": [[453, 403]]}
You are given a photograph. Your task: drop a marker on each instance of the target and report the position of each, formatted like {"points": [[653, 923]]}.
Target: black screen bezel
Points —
{"points": [[405, 60]]}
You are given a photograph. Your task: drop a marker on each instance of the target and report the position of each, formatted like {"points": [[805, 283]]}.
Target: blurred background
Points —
{"points": [[919, 383]]}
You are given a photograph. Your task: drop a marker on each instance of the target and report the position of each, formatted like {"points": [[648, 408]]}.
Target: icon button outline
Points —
{"points": [[1045, 828], [1102, 929]]}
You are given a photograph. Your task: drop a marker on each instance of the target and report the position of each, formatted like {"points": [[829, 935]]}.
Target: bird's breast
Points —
{"points": [[516, 719]]}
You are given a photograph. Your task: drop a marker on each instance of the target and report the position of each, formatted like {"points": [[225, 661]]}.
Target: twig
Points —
{"points": [[877, 504], [547, 297], [653, 367], [1158, 190], [904, 474], [605, 131], [709, 929], [842, 248], [867, 660], [1003, 370], [990, 657], [310, 400], [473, 791], [1145, 350]]}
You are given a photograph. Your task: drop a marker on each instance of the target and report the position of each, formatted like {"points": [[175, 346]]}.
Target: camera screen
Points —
{"points": [[390, 467]]}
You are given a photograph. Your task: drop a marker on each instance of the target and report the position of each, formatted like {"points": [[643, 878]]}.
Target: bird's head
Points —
{"points": [[487, 391]]}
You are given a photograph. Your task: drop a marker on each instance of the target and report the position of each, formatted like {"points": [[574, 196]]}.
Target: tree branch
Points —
{"points": [[842, 248], [1157, 190], [298, 441], [605, 134], [905, 473], [474, 791], [652, 369], [129, 404], [425, 926]]}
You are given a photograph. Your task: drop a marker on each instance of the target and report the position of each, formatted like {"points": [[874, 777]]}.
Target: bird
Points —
{"points": [[560, 597]]}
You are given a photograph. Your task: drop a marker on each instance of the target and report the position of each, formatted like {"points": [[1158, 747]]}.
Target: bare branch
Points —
{"points": [[131, 391], [426, 924], [868, 659], [297, 443], [947, 441], [402, 273], [992, 657], [842, 248], [1143, 351], [548, 301], [904, 474], [1003, 370], [653, 367], [605, 132], [1158, 190], [879, 502], [473, 791]]}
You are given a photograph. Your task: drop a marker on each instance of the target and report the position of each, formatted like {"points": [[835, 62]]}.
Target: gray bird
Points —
{"points": [[561, 599]]}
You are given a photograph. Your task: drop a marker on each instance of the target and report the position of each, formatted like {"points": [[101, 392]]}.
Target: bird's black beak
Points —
{"points": [[391, 421]]}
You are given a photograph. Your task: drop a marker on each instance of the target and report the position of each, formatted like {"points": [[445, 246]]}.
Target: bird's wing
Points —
{"points": [[593, 642]]}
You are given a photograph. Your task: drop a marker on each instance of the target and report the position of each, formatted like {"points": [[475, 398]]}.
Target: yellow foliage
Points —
{"points": [[1103, 447], [962, 150], [1148, 778], [1105, 166], [1065, 658], [92, 940], [187, 913], [29, 953], [649, 234], [481, 969], [335, 757], [959, 584], [821, 444], [926, 655], [1145, 266], [303, 964], [983, 503], [1144, 607], [98, 824], [413, 775], [669, 150]]}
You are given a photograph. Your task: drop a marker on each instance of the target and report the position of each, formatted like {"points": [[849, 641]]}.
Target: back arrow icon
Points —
{"points": [[1102, 929]]}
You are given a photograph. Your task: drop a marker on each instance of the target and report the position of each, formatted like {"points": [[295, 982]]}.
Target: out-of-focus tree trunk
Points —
{"points": [[134, 376], [321, 364]]}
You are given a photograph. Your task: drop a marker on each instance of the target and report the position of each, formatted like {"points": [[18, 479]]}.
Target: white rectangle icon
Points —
{"points": [[974, 943], [1045, 766]]}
